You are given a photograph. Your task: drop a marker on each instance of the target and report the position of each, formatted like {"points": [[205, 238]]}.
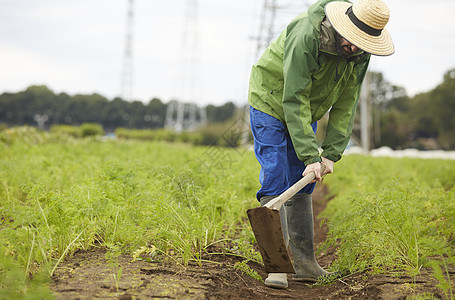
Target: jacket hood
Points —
{"points": [[316, 12]]}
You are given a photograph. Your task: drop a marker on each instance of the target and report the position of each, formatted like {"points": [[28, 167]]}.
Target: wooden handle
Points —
{"points": [[277, 202]]}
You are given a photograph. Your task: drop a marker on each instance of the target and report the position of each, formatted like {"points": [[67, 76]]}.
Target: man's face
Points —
{"points": [[347, 48]]}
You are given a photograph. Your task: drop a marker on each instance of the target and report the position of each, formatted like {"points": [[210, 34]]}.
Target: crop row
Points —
{"points": [[160, 201]]}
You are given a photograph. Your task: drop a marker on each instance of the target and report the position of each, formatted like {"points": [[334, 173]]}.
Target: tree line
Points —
{"points": [[425, 121], [40, 106]]}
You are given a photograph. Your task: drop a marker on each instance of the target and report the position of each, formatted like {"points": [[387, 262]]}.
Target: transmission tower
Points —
{"points": [[127, 70], [275, 15], [266, 28], [187, 116]]}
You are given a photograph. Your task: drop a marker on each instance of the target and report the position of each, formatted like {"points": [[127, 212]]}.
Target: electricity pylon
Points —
{"points": [[127, 70], [275, 15], [179, 115]]}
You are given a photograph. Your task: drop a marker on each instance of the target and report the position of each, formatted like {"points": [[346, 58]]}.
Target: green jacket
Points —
{"points": [[300, 77]]}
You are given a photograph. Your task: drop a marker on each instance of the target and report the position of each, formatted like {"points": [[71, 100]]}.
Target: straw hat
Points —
{"points": [[362, 24]]}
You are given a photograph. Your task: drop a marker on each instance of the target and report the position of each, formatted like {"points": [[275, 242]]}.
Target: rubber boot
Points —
{"points": [[299, 211], [278, 280]]}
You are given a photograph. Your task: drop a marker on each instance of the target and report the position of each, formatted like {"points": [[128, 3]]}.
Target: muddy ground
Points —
{"points": [[87, 275]]}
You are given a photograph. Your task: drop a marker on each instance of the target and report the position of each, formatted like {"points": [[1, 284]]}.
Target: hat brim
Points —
{"points": [[378, 45]]}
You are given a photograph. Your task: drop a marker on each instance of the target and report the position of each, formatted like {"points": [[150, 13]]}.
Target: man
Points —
{"points": [[316, 65]]}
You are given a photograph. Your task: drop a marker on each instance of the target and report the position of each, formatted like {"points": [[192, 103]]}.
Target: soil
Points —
{"points": [[88, 275]]}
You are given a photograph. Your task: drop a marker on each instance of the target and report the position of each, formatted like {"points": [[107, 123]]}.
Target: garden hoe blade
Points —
{"points": [[266, 225], [267, 230]]}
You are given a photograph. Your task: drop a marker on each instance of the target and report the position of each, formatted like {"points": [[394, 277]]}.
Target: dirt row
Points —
{"points": [[88, 275]]}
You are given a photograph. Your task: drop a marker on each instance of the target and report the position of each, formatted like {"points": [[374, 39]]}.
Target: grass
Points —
{"points": [[174, 201], [393, 216], [58, 197]]}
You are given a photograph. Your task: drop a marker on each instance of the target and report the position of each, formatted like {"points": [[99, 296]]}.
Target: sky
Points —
{"points": [[77, 47]]}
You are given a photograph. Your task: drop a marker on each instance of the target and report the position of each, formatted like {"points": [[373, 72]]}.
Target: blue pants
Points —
{"points": [[280, 167]]}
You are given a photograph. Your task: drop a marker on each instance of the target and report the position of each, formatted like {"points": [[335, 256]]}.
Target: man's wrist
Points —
{"points": [[312, 160]]}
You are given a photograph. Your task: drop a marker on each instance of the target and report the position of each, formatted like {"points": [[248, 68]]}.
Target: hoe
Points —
{"points": [[266, 225]]}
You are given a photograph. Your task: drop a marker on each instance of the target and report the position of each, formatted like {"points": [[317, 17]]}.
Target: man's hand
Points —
{"points": [[328, 164], [316, 168]]}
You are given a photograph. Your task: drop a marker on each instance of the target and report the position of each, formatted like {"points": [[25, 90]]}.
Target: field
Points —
{"points": [[87, 218]]}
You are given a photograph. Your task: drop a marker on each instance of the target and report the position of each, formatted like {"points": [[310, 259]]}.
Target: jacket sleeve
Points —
{"points": [[299, 62], [342, 114]]}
